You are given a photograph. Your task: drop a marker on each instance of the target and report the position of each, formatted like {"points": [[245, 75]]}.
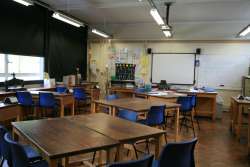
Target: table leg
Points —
{"points": [[66, 162], [108, 154], [110, 110], [214, 109], [61, 109], [94, 107], [52, 163], [73, 109], [100, 157], [119, 153], [239, 121], [157, 146], [248, 140], [114, 111], [177, 118]]}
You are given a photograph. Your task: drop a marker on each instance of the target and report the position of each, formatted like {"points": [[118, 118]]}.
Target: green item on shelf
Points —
{"points": [[113, 78]]}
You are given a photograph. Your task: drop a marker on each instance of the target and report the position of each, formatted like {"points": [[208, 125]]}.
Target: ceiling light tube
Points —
{"points": [[245, 31], [167, 33], [95, 31], [155, 14], [66, 19], [24, 2]]}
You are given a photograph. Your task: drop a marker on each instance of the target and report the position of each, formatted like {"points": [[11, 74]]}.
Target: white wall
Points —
{"points": [[100, 53]]}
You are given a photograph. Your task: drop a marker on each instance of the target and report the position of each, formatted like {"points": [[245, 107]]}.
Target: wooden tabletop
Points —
{"points": [[135, 104], [59, 137], [240, 101], [54, 93], [163, 94], [3, 105], [118, 129]]}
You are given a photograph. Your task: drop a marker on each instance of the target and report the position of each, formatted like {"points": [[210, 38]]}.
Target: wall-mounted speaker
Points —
{"points": [[149, 51], [198, 51]]}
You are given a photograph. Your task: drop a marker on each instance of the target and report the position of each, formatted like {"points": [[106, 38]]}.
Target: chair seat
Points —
{"points": [[40, 164], [155, 163], [32, 154], [142, 121]]}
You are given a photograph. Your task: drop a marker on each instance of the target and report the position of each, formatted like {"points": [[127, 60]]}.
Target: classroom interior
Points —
{"points": [[135, 83]]}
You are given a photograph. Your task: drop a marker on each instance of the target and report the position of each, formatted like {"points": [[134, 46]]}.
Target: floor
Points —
{"points": [[216, 147]]}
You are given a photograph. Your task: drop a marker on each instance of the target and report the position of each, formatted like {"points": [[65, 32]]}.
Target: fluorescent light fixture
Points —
{"points": [[155, 14], [165, 27], [67, 19], [245, 31], [95, 31], [167, 33], [24, 2]]}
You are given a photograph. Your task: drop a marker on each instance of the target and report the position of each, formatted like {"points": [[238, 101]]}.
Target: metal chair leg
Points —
{"points": [[93, 159], [192, 124], [136, 155], [197, 121]]}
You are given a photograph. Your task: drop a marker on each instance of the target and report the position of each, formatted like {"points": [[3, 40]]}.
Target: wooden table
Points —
{"points": [[126, 132], [60, 138], [65, 99], [237, 107], [138, 105], [3, 94], [10, 111], [163, 96]]}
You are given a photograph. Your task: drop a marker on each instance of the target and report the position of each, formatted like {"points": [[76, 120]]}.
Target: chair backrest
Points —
{"points": [[178, 154], [79, 93], [128, 115], [193, 100], [6, 150], [140, 90], [24, 98], [61, 89], [3, 130], [144, 162], [47, 100], [186, 103], [156, 115], [111, 97], [18, 154]]}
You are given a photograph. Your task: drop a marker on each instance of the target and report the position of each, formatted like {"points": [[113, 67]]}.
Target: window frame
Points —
{"points": [[6, 73]]}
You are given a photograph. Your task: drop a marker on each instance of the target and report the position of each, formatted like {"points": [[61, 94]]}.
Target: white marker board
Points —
{"points": [[175, 68], [223, 69]]}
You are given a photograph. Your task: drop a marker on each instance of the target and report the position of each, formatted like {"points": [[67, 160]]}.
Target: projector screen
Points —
{"points": [[174, 68]]}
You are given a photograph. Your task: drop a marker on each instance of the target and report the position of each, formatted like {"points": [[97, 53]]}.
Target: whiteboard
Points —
{"points": [[223, 69], [174, 68]]}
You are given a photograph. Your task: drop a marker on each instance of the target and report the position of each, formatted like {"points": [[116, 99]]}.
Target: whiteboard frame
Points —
{"points": [[152, 62]]}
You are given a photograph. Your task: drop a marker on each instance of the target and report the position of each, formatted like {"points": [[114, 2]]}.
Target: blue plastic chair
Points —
{"points": [[144, 162], [140, 90], [193, 102], [61, 89], [111, 97], [5, 151], [155, 117], [186, 110], [79, 95], [177, 155], [19, 156], [24, 98], [128, 115], [48, 101]]}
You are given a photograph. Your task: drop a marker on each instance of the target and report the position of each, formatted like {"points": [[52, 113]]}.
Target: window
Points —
{"points": [[27, 68]]}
